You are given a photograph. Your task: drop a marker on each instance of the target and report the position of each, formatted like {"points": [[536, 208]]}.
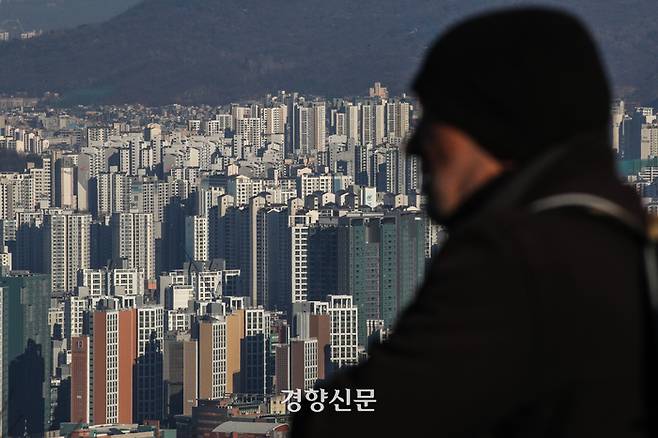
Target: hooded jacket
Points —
{"points": [[527, 324]]}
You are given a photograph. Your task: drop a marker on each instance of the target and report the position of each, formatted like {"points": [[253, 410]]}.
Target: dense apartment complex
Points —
{"points": [[190, 259]]}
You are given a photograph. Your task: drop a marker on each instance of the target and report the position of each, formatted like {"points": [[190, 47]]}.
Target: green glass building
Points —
{"points": [[381, 262], [26, 354]]}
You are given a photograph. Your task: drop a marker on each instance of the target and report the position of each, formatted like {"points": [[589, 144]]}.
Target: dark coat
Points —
{"points": [[527, 325]]}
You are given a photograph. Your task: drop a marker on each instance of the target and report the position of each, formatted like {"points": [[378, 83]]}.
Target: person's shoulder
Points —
{"points": [[518, 234], [497, 229], [556, 237], [481, 262], [518, 222], [489, 241]]}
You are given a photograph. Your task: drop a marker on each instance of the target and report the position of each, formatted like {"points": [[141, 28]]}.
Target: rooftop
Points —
{"points": [[247, 427]]}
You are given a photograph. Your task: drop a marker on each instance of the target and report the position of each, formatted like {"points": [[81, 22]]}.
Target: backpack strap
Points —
{"points": [[604, 207], [595, 204]]}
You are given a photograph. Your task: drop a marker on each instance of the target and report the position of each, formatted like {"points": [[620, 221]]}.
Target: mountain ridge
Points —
{"points": [[49, 15], [215, 51]]}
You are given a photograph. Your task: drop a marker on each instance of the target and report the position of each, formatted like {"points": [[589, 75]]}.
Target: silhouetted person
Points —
{"points": [[532, 320]]}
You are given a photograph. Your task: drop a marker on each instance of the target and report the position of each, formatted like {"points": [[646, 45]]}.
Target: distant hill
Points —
{"points": [[58, 14], [214, 51]]}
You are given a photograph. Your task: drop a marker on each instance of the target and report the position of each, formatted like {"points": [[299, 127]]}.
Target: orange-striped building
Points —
{"points": [[102, 369]]}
